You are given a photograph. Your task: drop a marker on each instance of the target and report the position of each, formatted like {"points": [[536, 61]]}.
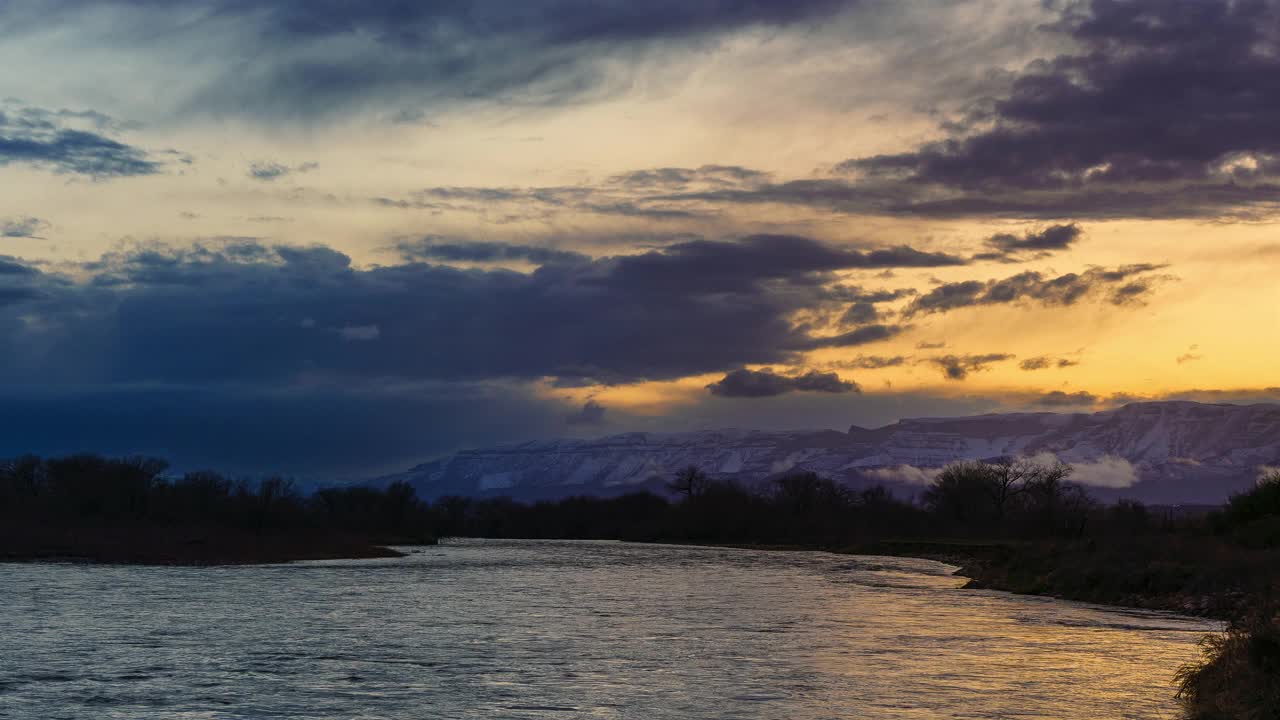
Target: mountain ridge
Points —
{"points": [[1165, 452]]}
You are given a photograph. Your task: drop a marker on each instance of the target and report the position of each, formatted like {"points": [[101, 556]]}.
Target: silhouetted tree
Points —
{"points": [[963, 493], [690, 482]]}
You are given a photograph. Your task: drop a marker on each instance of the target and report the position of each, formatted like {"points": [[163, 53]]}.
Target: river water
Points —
{"points": [[567, 630]]}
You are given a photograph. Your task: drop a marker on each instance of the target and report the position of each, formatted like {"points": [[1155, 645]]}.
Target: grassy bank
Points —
{"points": [[1195, 576], [1203, 578]]}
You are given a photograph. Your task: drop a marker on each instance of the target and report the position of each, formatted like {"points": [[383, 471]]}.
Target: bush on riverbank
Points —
{"points": [[1239, 675]]}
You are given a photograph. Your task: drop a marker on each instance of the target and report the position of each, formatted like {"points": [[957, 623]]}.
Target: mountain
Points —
{"points": [[1158, 452]]}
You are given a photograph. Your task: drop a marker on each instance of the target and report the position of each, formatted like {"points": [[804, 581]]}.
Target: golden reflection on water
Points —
{"points": [[571, 630]]}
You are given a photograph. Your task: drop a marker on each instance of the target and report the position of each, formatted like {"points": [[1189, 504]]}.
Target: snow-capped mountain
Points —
{"points": [[1165, 452]]}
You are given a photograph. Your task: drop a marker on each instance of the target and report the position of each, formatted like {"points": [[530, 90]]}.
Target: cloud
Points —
{"points": [[23, 227], [268, 170], [743, 383], [1007, 246], [318, 430], [295, 58], [861, 336], [1109, 472], [1044, 362], [870, 362], [898, 197], [863, 308], [58, 141], [22, 285], [1237, 396], [1121, 286], [860, 313], [514, 203], [430, 248], [906, 474], [678, 178], [234, 309], [1058, 398], [1089, 132], [958, 367], [591, 413]]}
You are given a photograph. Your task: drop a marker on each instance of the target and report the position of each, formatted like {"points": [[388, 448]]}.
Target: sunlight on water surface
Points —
{"points": [[487, 629]]}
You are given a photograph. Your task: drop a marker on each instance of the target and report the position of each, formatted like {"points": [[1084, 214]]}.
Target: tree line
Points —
{"points": [[89, 491], [1006, 499]]}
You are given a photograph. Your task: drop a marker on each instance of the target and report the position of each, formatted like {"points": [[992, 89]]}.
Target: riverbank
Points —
{"points": [[1190, 576], [190, 546]]}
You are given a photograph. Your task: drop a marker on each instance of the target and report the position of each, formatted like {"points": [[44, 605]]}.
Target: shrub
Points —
{"points": [[1238, 677]]}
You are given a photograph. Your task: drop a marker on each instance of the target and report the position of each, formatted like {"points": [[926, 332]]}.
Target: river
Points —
{"points": [[568, 630]]}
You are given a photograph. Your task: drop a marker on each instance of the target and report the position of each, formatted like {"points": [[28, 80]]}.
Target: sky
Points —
{"points": [[335, 239]]}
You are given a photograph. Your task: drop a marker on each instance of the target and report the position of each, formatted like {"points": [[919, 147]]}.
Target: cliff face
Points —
{"points": [[1166, 452]]}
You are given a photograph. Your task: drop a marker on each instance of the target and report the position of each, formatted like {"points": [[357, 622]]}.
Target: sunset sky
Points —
{"points": [[337, 238]]}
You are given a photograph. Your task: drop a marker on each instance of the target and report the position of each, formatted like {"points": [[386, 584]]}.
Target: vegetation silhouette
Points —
{"points": [[1238, 675], [126, 510]]}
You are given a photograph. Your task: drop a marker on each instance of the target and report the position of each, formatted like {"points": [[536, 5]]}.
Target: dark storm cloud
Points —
{"points": [[315, 57], [484, 252], [912, 199], [19, 285], [23, 227], [243, 311], [1160, 100], [958, 367], [52, 140], [743, 383], [15, 267], [1058, 398], [1044, 362], [1119, 286], [729, 266], [322, 431]]}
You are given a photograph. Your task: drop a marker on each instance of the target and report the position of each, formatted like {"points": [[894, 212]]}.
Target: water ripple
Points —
{"points": [[570, 630]]}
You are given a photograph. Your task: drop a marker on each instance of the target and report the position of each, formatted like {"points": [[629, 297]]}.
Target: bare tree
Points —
{"points": [[690, 482], [1010, 478]]}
